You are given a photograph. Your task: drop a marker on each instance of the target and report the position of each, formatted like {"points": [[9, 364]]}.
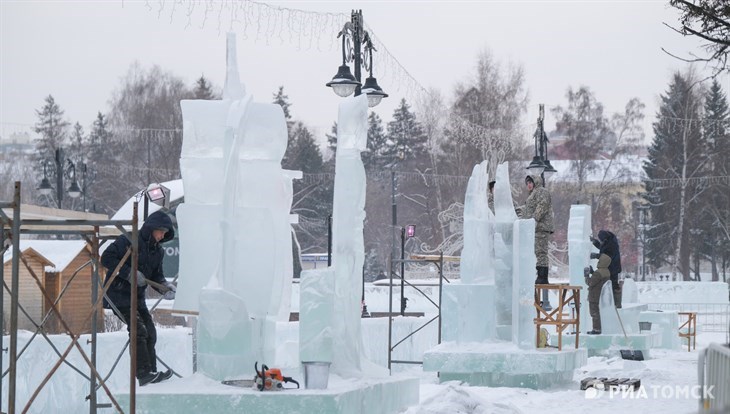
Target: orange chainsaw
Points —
{"points": [[270, 379]]}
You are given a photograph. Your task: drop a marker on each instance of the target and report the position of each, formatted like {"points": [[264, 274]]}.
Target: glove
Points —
{"points": [[595, 255], [141, 279], [170, 293], [591, 238], [586, 271]]}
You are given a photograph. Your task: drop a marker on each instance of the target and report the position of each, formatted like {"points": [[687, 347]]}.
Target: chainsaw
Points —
{"points": [[270, 379]]}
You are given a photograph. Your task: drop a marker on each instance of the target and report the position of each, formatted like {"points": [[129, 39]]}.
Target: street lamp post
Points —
{"points": [[357, 47], [642, 235], [67, 168], [354, 37]]}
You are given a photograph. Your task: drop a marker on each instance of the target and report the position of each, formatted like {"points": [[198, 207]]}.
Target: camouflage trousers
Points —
{"points": [[541, 248]]}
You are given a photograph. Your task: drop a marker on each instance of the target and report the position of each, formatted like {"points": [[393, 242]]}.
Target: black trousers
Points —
{"points": [[146, 340]]}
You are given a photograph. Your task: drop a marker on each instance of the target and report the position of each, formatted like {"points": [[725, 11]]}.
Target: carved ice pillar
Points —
{"points": [[469, 307], [523, 288], [579, 251], [348, 250], [503, 249]]}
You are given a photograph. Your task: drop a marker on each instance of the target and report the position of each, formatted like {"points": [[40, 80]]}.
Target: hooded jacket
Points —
{"points": [[149, 261], [607, 243], [539, 206], [600, 276]]}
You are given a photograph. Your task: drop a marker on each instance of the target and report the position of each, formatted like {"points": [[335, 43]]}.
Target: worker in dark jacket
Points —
{"points": [[607, 243], [156, 229]]}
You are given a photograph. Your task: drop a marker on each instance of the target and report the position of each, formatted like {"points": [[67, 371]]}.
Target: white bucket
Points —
{"points": [[316, 375]]}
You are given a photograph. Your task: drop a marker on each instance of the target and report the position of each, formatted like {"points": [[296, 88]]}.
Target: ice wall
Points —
{"points": [[579, 251], [523, 289], [235, 233], [505, 218]]}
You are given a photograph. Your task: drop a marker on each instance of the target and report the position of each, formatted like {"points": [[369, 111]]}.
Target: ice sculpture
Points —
{"points": [[468, 308], [505, 217], [477, 256], [523, 289], [235, 233], [347, 234], [579, 250]]}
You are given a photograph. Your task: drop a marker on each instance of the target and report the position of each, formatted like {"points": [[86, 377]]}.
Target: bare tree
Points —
{"points": [[708, 20]]}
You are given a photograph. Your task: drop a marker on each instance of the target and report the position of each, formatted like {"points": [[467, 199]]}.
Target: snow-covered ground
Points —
{"points": [[666, 379], [669, 379]]}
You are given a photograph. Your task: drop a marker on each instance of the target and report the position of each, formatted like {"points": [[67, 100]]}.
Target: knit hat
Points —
{"points": [[529, 179]]}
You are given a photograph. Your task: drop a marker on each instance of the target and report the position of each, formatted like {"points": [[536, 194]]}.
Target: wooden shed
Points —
{"points": [[54, 262]]}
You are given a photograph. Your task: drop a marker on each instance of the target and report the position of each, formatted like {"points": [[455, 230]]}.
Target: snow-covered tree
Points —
{"points": [[204, 90], [677, 158]]}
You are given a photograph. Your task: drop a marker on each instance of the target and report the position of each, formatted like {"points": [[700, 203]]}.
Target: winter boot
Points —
{"points": [[147, 378], [164, 375], [542, 275]]}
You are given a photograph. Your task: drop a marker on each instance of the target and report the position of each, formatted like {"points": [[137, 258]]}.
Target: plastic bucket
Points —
{"points": [[316, 375], [644, 326]]}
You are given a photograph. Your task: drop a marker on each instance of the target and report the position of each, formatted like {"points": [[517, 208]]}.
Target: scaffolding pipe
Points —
{"points": [[14, 284]]}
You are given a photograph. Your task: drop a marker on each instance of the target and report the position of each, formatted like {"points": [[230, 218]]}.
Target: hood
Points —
{"points": [[157, 220], [604, 261], [535, 179], [605, 235]]}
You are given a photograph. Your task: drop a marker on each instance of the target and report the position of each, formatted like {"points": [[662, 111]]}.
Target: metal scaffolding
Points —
{"points": [[94, 232]]}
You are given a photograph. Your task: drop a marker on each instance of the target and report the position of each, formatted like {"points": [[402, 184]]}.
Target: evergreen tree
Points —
{"points": [[283, 100], [377, 143], [332, 141], [676, 155], [100, 176], [203, 89], [406, 139], [52, 129], [716, 215]]}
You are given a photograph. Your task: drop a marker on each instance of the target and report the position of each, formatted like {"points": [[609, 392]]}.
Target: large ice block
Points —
{"points": [[505, 217], [607, 308], [317, 289], [202, 180], [523, 288], [503, 364], [630, 293], [226, 347], [477, 255], [199, 253], [197, 394], [204, 126], [579, 251], [468, 312]]}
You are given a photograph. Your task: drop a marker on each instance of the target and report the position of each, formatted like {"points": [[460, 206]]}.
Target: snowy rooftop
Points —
{"points": [[58, 252]]}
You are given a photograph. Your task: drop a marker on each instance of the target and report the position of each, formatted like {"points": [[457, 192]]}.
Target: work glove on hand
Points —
{"points": [[170, 293], [586, 272], [141, 279], [595, 255]]}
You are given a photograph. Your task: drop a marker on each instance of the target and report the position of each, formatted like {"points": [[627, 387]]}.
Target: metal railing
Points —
{"points": [[711, 317], [713, 374]]}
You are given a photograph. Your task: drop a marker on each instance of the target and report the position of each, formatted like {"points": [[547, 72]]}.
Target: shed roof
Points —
{"points": [[58, 253]]}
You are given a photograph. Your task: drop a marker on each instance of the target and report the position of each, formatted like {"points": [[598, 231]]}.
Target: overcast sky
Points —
{"points": [[78, 51]]}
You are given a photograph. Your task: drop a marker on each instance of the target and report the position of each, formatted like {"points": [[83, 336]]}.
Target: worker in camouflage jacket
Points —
{"points": [[539, 206]]}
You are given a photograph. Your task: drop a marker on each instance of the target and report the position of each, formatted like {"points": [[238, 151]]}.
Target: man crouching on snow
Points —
{"points": [[595, 280], [156, 229]]}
